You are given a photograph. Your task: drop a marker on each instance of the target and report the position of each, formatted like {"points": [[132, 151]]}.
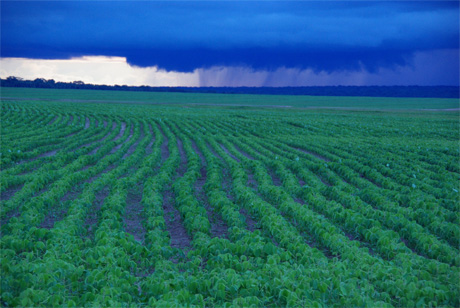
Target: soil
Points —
{"points": [[108, 169], [92, 217], [323, 181], [369, 180], [244, 153], [227, 185], [275, 178], [134, 146], [409, 246], [202, 158], [164, 146], [56, 214], [183, 159], [87, 123], [301, 182], [215, 153], [228, 153], [179, 236], [218, 227], [149, 149], [10, 192], [27, 171], [127, 139], [53, 120], [122, 131], [114, 125], [13, 213], [47, 154], [71, 135], [72, 194], [251, 223], [105, 123], [314, 154], [133, 218], [251, 181]]}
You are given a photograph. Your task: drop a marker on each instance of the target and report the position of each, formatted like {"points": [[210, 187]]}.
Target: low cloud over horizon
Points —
{"points": [[424, 69]]}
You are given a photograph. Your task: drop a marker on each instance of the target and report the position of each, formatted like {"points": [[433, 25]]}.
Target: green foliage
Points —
{"points": [[291, 208]]}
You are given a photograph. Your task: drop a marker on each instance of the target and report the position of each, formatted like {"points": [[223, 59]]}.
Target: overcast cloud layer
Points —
{"points": [[270, 41]]}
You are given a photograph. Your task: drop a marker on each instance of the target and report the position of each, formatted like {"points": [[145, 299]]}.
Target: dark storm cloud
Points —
{"points": [[183, 36]]}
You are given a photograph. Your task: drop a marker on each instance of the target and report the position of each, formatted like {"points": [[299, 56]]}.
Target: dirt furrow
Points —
{"points": [[87, 123], [251, 223], [324, 181], [244, 153], [215, 153], [149, 149], [164, 146], [134, 146], [276, 180], [228, 153], [369, 180], [183, 159], [10, 192], [313, 154], [92, 218], [74, 133], [114, 125], [202, 158], [16, 211], [47, 154], [58, 212], [227, 187], [92, 179], [177, 232], [227, 184], [127, 139], [218, 227], [5, 220], [133, 218], [252, 183], [122, 131], [53, 120], [301, 182]]}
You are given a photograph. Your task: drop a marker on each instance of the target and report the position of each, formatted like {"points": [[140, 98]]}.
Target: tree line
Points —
{"points": [[374, 91]]}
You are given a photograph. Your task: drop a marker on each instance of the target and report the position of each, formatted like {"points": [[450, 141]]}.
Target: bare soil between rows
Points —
{"points": [[133, 218], [93, 214], [179, 237], [229, 154], [10, 192], [218, 226]]}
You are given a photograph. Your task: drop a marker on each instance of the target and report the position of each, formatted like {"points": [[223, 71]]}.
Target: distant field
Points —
{"points": [[134, 204], [291, 101]]}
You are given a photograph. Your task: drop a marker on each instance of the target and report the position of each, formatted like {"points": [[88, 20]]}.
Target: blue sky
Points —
{"points": [[376, 42]]}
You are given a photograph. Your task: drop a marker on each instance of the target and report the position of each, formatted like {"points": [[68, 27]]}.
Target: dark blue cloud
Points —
{"points": [[183, 36]]}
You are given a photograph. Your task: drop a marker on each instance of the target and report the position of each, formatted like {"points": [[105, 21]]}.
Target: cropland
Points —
{"points": [[118, 199]]}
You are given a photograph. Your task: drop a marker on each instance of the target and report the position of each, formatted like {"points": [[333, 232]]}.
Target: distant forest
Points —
{"points": [[375, 91]]}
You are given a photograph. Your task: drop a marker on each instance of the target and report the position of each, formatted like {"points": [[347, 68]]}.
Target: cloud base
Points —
{"points": [[437, 67]]}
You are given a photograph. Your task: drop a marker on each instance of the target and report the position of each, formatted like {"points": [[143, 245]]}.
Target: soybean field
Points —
{"points": [[117, 204]]}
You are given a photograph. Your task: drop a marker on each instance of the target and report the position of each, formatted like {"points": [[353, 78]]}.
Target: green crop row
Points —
{"points": [[163, 206]]}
